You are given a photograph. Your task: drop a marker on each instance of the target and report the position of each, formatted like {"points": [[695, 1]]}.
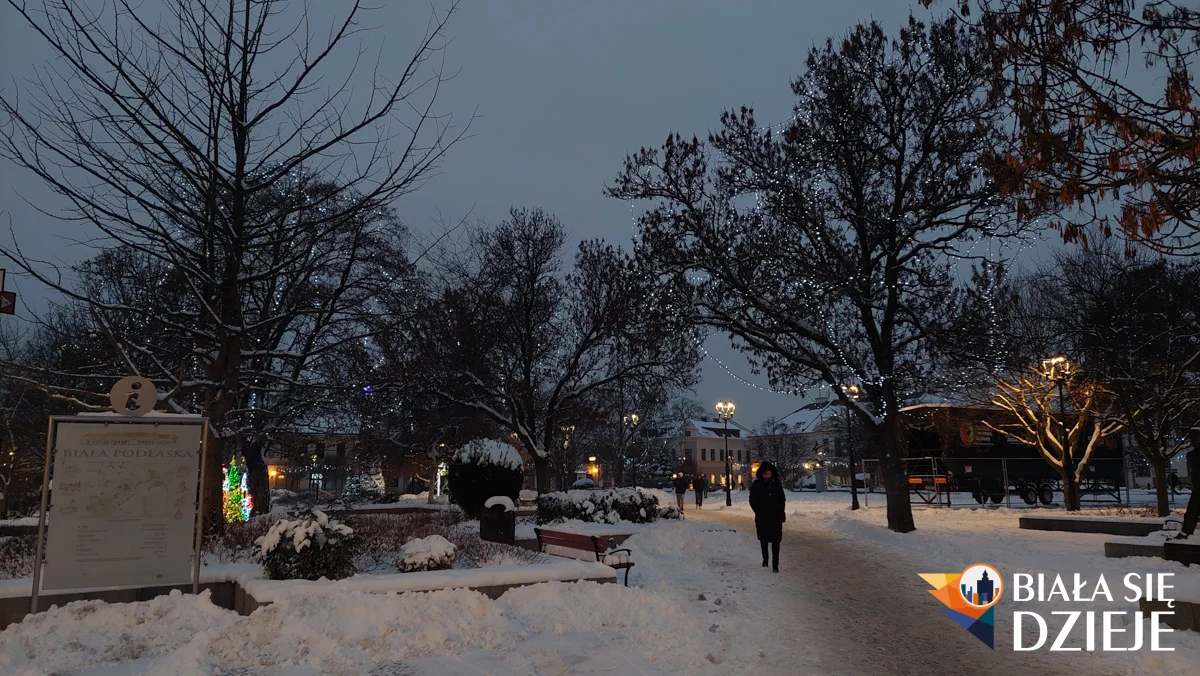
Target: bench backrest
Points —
{"points": [[587, 543]]}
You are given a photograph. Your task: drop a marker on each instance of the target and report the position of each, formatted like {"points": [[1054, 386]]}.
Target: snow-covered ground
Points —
{"points": [[698, 604]]}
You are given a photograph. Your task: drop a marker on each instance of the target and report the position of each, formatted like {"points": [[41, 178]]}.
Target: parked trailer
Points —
{"points": [[952, 442]]}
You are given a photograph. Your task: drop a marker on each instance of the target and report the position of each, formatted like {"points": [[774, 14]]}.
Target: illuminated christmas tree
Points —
{"points": [[238, 502]]}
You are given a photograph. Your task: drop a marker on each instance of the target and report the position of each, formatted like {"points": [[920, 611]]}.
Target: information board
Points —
{"points": [[124, 503]]}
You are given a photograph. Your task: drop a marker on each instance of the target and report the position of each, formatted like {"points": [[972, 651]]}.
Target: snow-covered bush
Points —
{"points": [[527, 495], [428, 553], [481, 469], [308, 548], [363, 489], [583, 484], [603, 506], [670, 512]]}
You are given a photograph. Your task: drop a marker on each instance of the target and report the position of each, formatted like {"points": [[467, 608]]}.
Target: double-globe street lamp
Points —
{"points": [[725, 410]]}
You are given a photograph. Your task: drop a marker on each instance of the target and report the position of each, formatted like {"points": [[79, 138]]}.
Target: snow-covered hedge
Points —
{"points": [[489, 452], [428, 553], [604, 506], [308, 548], [583, 484], [481, 469]]}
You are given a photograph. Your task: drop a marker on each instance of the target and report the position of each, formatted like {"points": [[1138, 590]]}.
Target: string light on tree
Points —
{"points": [[238, 501]]}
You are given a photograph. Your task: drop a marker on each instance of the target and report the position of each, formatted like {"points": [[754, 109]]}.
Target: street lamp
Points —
{"points": [[629, 422], [1058, 369], [725, 410], [851, 391]]}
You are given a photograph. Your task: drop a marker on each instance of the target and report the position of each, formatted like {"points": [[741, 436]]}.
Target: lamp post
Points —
{"points": [[631, 422], [725, 410], [1058, 369], [851, 391]]}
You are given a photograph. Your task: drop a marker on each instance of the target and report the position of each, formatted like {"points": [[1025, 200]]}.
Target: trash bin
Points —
{"points": [[497, 524]]}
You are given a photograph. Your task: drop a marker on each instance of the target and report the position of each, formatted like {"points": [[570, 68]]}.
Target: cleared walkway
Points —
{"points": [[843, 606]]}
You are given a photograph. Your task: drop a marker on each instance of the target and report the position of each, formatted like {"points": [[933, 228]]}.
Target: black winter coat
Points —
{"points": [[767, 500], [681, 484]]}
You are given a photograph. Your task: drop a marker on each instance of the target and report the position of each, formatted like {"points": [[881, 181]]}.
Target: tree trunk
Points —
{"points": [[1071, 498], [1161, 487], [895, 482], [541, 470], [1192, 515], [257, 481]]}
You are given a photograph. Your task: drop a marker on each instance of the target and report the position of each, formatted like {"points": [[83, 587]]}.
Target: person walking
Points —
{"points": [[681, 485], [700, 485], [767, 500]]}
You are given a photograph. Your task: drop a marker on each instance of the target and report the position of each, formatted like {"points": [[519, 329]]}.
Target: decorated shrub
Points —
{"points": [[603, 506], [428, 553], [310, 547], [481, 469]]}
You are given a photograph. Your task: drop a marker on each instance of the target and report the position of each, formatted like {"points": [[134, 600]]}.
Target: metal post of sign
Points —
{"points": [[200, 507], [1128, 473], [866, 500], [41, 536], [1004, 473]]}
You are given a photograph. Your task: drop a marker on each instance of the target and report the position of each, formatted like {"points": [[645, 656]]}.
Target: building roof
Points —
{"points": [[715, 428], [807, 417]]}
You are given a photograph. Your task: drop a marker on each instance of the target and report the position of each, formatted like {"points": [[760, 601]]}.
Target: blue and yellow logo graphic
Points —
{"points": [[969, 598]]}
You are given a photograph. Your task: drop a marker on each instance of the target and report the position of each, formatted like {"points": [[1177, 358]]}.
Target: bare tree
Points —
{"points": [[824, 248], [203, 142], [1092, 135], [527, 345], [1131, 321], [774, 441], [1060, 415]]}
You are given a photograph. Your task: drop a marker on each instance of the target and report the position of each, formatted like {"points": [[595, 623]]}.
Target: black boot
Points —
{"points": [[764, 553], [774, 557]]}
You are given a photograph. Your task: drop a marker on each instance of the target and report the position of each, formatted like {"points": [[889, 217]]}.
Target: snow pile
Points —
{"points": [[86, 633], [357, 633], [658, 627], [605, 506], [490, 452], [502, 500], [428, 553], [583, 484], [527, 495]]}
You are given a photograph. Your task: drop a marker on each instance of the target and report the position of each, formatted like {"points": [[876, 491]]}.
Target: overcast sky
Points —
{"points": [[563, 91]]}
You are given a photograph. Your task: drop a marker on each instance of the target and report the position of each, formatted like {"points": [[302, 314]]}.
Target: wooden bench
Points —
{"points": [[583, 543]]}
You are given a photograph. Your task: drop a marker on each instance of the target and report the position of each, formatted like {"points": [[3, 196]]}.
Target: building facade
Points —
{"points": [[700, 448]]}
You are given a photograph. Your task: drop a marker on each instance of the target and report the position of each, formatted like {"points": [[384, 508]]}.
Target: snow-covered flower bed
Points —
{"points": [[605, 506], [429, 553]]}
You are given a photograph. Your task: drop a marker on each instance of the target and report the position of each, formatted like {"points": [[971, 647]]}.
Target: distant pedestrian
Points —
{"points": [[681, 485], [1173, 482], [700, 486], [767, 500]]}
